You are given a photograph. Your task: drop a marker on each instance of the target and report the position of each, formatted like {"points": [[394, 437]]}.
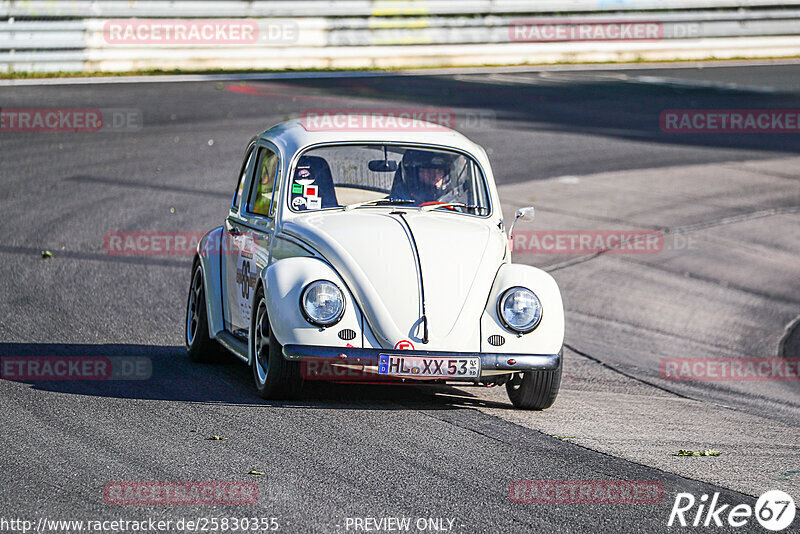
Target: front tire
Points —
{"points": [[275, 377], [199, 346], [534, 390]]}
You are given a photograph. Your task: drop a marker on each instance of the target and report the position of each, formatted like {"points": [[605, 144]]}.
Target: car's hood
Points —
{"points": [[373, 251]]}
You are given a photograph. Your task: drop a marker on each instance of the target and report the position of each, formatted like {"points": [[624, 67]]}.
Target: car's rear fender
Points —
{"points": [[284, 282], [548, 337], [209, 251]]}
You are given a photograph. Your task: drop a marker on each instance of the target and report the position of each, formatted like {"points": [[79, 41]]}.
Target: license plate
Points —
{"points": [[420, 367]]}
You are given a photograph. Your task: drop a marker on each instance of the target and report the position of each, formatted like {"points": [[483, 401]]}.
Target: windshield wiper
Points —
{"points": [[453, 204], [378, 202]]}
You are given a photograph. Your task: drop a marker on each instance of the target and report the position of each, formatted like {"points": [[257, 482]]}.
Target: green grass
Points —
{"points": [[707, 452]]}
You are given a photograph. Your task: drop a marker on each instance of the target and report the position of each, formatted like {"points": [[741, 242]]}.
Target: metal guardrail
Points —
{"points": [[74, 34], [359, 8], [80, 34]]}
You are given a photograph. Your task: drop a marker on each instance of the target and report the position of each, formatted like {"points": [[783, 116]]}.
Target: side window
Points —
{"points": [[264, 182], [276, 195], [242, 175]]}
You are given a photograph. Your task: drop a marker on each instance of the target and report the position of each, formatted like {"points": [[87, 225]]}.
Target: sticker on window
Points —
{"points": [[305, 194]]}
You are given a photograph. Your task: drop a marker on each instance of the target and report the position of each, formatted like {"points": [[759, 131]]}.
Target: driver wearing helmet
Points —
{"points": [[423, 176]]}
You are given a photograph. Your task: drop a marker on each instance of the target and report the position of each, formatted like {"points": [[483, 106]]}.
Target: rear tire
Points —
{"points": [[534, 390], [275, 377], [199, 346]]}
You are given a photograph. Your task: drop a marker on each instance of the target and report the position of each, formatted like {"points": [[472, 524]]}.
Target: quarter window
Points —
{"points": [[242, 176]]}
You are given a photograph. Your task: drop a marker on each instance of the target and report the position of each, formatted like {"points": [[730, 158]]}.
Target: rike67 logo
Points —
{"points": [[774, 510]]}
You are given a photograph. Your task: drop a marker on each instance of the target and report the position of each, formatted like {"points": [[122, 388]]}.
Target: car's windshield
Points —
{"points": [[354, 176]]}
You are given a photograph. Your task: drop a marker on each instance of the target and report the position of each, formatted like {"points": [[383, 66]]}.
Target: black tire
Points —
{"points": [[275, 377], [199, 346], [534, 390]]}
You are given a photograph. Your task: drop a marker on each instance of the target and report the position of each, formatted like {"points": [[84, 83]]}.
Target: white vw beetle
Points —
{"points": [[380, 251]]}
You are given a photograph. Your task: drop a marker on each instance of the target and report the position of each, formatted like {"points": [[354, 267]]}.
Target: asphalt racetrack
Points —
{"points": [[585, 146]]}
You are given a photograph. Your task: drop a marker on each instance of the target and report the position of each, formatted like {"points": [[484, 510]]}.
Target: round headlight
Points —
{"points": [[520, 310], [322, 303]]}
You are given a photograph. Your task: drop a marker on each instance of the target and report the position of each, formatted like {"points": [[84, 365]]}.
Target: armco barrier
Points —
{"points": [[355, 8], [74, 35]]}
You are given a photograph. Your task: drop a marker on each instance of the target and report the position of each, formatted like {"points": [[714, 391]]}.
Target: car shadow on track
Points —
{"points": [[169, 375]]}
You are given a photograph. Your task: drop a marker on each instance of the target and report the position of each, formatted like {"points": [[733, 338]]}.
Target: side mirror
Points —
{"points": [[523, 214]]}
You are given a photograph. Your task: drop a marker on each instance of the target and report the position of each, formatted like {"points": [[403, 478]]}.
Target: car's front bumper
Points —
{"points": [[491, 364]]}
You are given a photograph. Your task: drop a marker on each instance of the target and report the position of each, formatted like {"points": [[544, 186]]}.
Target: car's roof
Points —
{"points": [[296, 134]]}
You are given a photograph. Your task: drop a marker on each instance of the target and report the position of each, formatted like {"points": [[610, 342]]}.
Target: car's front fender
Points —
{"points": [[284, 282], [548, 337], [208, 251]]}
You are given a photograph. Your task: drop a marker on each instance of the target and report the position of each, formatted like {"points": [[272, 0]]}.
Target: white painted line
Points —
{"points": [[693, 84]]}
